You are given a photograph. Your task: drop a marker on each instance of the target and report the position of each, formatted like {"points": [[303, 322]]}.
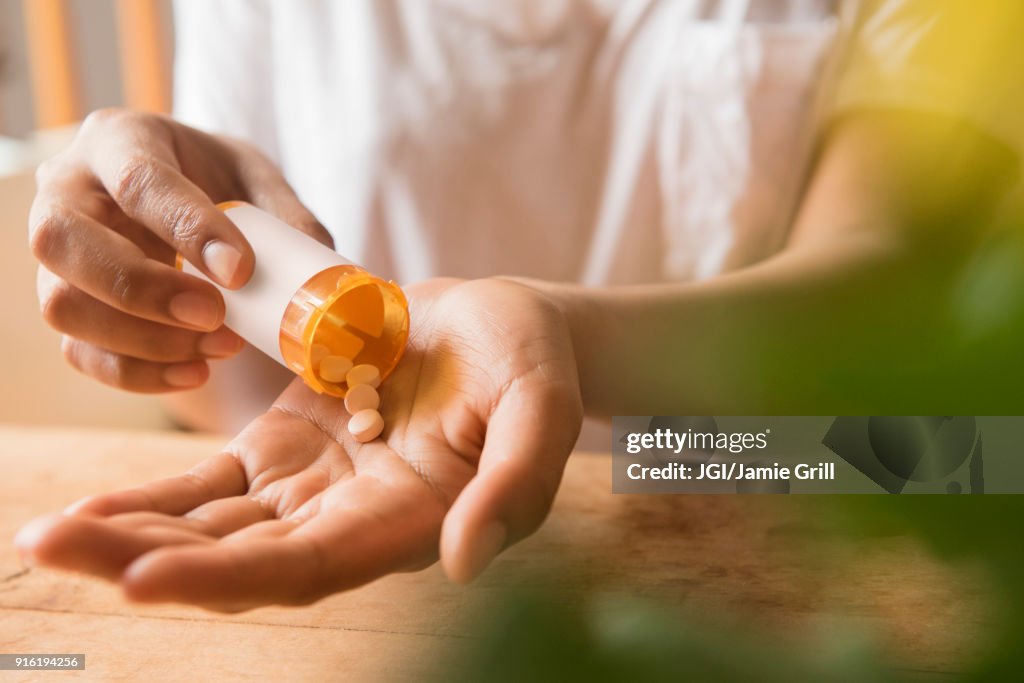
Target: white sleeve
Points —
{"points": [[962, 59], [223, 75]]}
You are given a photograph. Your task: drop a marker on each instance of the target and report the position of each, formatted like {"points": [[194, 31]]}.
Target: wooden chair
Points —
{"points": [[56, 83]]}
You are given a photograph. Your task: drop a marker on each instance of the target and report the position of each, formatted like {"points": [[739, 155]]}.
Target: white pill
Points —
{"points": [[366, 425], [363, 374], [361, 397], [334, 368]]}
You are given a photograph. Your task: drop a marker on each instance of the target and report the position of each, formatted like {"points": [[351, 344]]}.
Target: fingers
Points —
{"points": [[216, 519], [220, 476], [71, 311], [108, 267], [125, 351], [103, 534], [376, 531], [109, 216], [133, 158], [271, 528], [227, 515], [93, 545], [529, 437], [133, 374], [225, 576], [361, 528]]}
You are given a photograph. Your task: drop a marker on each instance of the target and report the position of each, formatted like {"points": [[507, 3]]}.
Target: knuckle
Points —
{"points": [[122, 290], [118, 370], [110, 368], [47, 169], [48, 232], [72, 352], [45, 281], [170, 346], [106, 116], [132, 182], [55, 169], [56, 304], [185, 224]]}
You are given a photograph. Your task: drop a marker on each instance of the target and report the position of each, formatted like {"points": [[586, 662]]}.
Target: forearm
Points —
{"points": [[864, 311], [802, 333]]}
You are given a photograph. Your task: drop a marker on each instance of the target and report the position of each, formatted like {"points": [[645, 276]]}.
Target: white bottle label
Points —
{"points": [[285, 260]]}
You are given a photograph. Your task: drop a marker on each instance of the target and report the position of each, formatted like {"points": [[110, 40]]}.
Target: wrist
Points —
{"points": [[591, 329]]}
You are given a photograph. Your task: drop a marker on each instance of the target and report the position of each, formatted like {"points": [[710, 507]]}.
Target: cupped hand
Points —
{"points": [[480, 416], [110, 215]]}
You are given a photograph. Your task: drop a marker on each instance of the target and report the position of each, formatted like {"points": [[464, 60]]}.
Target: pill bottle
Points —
{"points": [[305, 301]]}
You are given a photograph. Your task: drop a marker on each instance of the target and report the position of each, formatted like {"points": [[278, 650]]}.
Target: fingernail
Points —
{"points": [[220, 343], [29, 537], [26, 538], [185, 374], [222, 260], [487, 546], [196, 309], [76, 506]]}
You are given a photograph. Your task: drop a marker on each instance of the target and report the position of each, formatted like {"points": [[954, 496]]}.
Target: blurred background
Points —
{"points": [[60, 59]]}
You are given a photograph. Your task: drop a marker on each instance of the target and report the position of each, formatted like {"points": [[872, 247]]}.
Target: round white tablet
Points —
{"points": [[366, 425], [361, 397], [334, 368], [363, 374]]}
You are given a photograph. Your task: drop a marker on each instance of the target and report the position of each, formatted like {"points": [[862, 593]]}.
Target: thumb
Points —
{"points": [[529, 438]]}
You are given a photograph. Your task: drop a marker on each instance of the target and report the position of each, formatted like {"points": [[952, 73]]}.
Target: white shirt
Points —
{"points": [[580, 140]]}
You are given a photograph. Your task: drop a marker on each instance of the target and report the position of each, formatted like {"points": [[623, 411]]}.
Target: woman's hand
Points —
{"points": [[480, 417], [111, 213]]}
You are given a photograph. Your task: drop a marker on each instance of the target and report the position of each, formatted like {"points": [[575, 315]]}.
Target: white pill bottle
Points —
{"points": [[303, 297]]}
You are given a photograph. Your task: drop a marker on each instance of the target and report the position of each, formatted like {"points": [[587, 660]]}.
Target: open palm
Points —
{"points": [[480, 416]]}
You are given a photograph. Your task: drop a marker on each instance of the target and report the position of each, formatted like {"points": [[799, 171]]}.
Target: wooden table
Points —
{"points": [[758, 559]]}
